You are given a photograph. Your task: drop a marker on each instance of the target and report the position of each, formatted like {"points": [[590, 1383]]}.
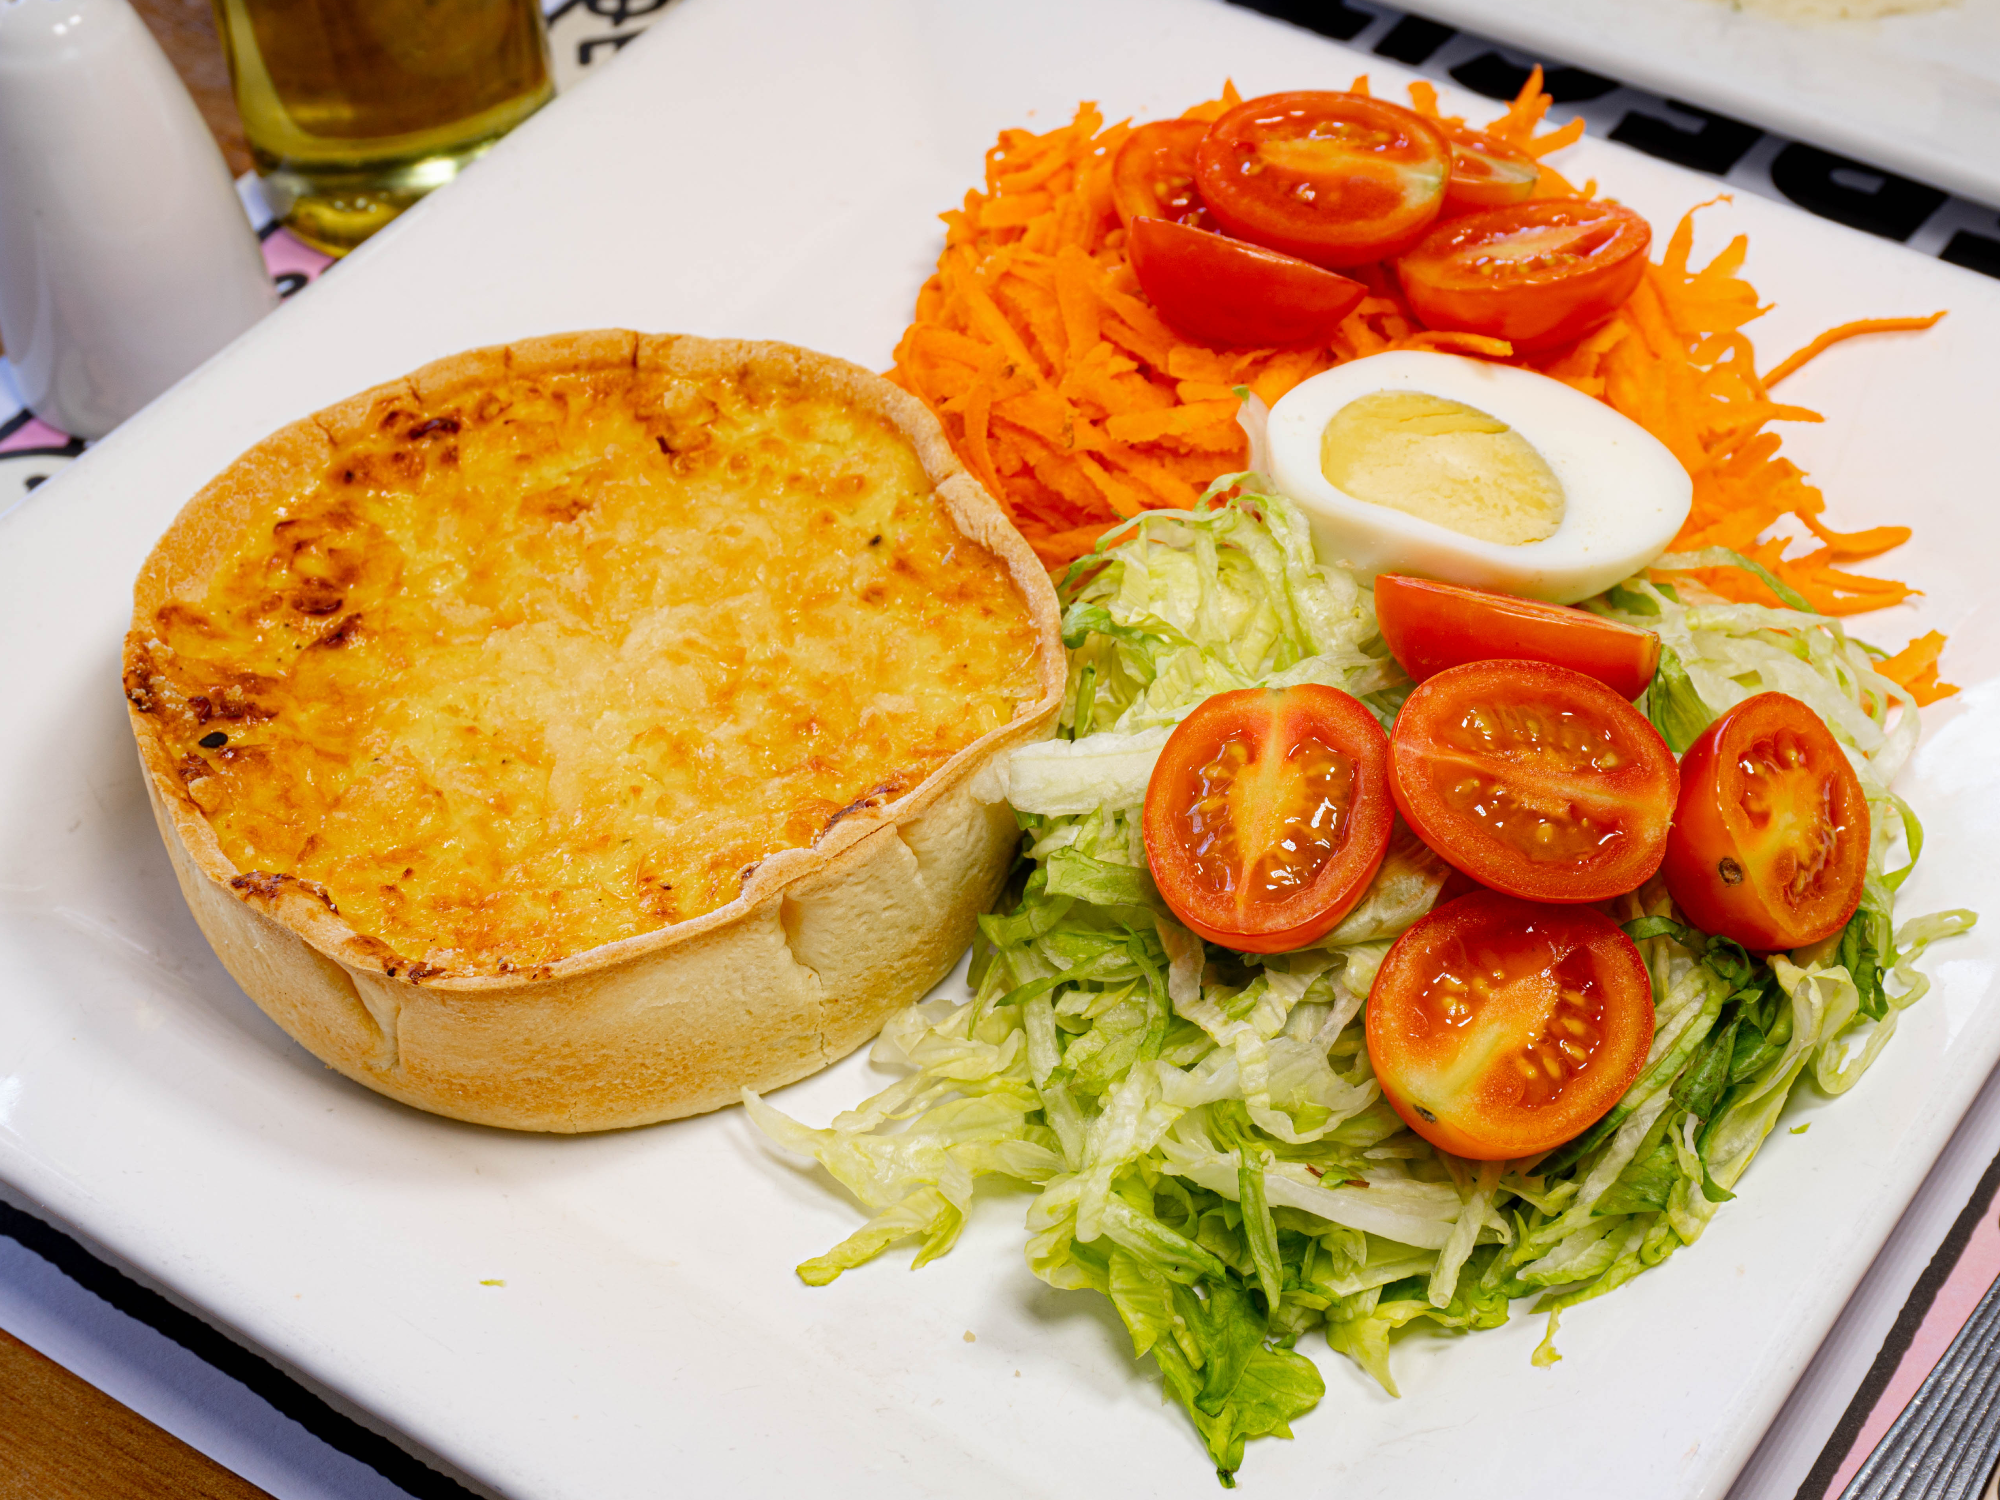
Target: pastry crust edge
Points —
{"points": [[820, 947]]}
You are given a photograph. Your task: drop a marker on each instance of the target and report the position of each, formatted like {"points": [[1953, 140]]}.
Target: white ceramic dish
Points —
{"points": [[1917, 94], [774, 170]]}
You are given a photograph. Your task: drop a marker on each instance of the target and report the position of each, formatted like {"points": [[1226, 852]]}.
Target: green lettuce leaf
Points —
{"points": [[1674, 705]]}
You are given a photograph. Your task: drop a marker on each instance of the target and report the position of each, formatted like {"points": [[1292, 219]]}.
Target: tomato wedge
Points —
{"points": [[1430, 626], [1534, 780], [1501, 1028], [1486, 172], [1223, 292], [1152, 176], [1336, 179], [1267, 815], [1538, 274], [1770, 840]]}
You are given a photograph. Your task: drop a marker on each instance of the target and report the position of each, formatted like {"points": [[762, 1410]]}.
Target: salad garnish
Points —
{"points": [[1210, 1142], [1078, 406]]}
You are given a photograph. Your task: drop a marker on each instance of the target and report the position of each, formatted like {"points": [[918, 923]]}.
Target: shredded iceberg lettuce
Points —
{"points": [[1210, 1146], [1715, 654]]}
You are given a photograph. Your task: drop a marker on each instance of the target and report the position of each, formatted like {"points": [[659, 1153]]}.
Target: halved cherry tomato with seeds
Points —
{"points": [[1152, 176], [1486, 172], [1336, 179], [1500, 1028], [1229, 294], [1539, 274], [1534, 780], [1770, 840], [1430, 626], [1267, 815]]}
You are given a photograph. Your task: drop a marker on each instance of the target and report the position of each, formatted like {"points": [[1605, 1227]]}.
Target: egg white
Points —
{"points": [[1625, 495]]}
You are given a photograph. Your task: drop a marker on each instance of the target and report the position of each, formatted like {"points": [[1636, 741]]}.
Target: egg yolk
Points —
{"points": [[1445, 462]]}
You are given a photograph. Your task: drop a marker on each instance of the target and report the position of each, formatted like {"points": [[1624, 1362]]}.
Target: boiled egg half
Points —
{"points": [[1475, 473]]}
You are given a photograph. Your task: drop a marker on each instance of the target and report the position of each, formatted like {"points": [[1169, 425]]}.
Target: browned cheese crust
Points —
{"points": [[579, 731]]}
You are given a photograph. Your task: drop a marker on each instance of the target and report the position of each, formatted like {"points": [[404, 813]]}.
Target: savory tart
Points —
{"points": [[576, 732]]}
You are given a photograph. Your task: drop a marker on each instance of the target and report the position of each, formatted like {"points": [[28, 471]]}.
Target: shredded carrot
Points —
{"points": [[1834, 336], [1916, 668], [1078, 407]]}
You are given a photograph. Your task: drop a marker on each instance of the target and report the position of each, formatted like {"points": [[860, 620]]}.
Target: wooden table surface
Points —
{"points": [[63, 1439]]}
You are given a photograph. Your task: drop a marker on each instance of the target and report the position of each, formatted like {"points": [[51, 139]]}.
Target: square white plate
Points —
{"points": [[774, 170], [1917, 94]]}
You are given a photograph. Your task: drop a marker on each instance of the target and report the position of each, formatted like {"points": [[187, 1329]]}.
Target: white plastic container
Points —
{"points": [[125, 257]]}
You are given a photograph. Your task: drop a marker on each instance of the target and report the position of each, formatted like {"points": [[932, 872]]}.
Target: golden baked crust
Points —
{"points": [[578, 731], [561, 665]]}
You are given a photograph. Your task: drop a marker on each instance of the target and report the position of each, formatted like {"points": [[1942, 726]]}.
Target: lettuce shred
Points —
{"points": [[1210, 1146]]}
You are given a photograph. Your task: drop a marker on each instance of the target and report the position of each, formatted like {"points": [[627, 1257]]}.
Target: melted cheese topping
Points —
{"points": [[562, 664]]}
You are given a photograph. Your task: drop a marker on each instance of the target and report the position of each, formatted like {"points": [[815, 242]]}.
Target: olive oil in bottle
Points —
{"points": [[354, 109]]}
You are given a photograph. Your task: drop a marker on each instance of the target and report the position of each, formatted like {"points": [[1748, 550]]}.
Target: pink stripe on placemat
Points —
{"points": [[33, 433], [284, 255], [1977, 1269]]}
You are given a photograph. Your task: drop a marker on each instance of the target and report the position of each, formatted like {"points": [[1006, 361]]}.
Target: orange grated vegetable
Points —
{"points": [[1916, 668], [1074, 403], [1834, 336]]}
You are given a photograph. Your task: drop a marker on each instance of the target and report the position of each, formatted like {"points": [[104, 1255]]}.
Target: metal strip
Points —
{"points": [[1944, 1445]]}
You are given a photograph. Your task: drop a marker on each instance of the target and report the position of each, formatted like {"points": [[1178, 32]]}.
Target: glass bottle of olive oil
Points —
{"points": [[354, 109]]}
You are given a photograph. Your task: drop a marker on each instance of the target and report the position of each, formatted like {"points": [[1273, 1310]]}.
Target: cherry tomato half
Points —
{"points": [[1430, 626], [1534, 780], [1336, 179], [1486, 172], [1220, 291], [1770, 840], [1538, 274], [1267, 815], [1152, 176], [1501, 1028]]}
